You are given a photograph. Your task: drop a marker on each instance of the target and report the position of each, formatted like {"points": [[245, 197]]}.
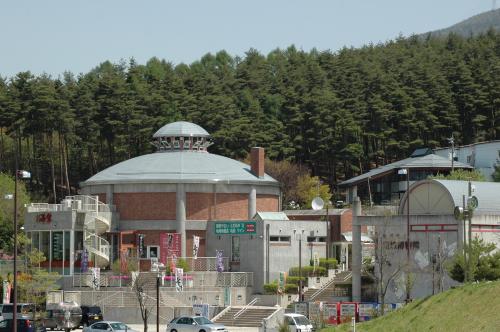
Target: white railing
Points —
{"points": [[245, 308], [96, 243], [77, 202], [234, 279]]}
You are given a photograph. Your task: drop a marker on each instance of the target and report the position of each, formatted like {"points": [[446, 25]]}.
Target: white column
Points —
{"points": [[356, 251], [252, 203], [180, 216], [71, 252]]}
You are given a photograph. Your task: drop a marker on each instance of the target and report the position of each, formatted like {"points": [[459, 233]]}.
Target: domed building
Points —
{"points": [[176, 192]]}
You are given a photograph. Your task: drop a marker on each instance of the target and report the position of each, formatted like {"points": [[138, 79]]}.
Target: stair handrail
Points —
{"points": [[320, 290], [245, 307]]}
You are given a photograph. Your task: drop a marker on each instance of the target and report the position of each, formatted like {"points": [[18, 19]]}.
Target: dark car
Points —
{"points": [[23, 325], [90, 315]]}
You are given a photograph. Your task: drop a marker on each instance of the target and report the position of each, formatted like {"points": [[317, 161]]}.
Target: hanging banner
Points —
{"points": [[173, 263], [170, 245], [315, 261], [123, 262], [219, 261], [179, 275], [141, 247], [196, 246], [85, 261], [96, 278], [6, 292], [227, 296]]}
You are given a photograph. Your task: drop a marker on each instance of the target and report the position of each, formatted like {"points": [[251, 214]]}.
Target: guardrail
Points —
{"points": [[245, 308]]}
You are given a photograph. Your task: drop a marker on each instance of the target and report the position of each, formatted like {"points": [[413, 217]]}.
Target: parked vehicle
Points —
{"points": [[49, 321], [194, 324], [24, 310], [298, 323], [23, 325], [90, 315], [108, 326]]}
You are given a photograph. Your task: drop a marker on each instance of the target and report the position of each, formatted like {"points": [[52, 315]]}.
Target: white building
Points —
{"points": [[482, 156]]}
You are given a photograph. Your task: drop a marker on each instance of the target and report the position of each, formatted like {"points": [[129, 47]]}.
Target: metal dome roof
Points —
{"points": [[177, 166], [181, 128]]}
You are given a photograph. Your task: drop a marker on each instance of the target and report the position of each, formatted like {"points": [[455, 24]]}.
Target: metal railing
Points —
{"points": [[245, 308], [234, 279], [203, 263], [97, 245], [77, 202]]}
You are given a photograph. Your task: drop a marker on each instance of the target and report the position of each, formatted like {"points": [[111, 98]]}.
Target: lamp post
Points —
{"points": [[299, 237], [23, 175], [158, 301], [407, 172]]}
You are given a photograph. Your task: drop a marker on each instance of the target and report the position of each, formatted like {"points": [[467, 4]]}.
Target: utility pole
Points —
{"points": [[408, 234], [452, 142]]}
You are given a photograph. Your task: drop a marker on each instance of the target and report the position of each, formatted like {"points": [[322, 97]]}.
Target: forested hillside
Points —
{"points": [[472, 26], [339, 113]]}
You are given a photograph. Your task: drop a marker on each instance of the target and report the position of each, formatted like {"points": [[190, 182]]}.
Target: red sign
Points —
{"points": [[250, 228], [170, 245], [44, 218]]}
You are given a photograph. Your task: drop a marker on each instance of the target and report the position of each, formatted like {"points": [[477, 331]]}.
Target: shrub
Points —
{"points": [[291, 289], [271, 288], [295, 280], [308, 271], [181, 263], [328, 264]]}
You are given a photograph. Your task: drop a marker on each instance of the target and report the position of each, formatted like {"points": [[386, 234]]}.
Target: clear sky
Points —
{"points": [[54, 36]]}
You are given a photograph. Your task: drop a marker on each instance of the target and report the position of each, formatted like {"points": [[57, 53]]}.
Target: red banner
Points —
{"points": [[170, 245]]}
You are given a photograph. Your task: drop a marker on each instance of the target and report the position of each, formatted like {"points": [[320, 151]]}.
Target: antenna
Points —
{"points": [[317, 203]]}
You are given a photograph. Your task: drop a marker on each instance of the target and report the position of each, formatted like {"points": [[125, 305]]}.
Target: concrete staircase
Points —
{"points": [[252, 317], [328, 291]]}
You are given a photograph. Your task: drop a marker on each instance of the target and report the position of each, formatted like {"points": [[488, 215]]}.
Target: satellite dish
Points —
{"points": [[317, 203]]}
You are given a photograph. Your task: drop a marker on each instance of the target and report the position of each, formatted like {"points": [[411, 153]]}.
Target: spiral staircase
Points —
{"points": [[96, 221]]}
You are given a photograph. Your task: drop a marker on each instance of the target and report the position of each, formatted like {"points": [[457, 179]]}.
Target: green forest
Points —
{"points": [[337, 113]]}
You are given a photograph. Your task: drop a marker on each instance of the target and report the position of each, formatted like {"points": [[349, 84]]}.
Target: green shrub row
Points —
{"points": [[308, 271]]}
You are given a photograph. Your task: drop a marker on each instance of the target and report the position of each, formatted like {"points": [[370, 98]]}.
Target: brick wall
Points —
{"points": [[102, 197], [267, 203], [232, 207], [199, 206], [145, 206]]}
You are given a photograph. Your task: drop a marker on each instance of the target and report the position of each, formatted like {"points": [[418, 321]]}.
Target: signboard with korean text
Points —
{"points": [[235, 227]]}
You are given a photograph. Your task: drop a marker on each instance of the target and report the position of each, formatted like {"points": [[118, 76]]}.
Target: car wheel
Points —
{"points": [[202, 330], [173, 330]]}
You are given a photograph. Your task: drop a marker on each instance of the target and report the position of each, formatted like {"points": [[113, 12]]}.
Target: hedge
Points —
{"points": [[308, 271], [329, 264], [295, 280]]}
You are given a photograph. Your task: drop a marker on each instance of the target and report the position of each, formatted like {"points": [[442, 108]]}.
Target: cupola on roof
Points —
{"points": [[181, 136], [181, 129]]}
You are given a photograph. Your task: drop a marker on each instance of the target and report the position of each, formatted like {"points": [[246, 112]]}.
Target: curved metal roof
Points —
{"points": [[179, 167], [181, 128], [427, 161], [487, 194]]}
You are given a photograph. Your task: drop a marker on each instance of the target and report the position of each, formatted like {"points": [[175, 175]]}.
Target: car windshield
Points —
{"points": [[94, 310], [202, 320], [119, 326], [301, 320]]}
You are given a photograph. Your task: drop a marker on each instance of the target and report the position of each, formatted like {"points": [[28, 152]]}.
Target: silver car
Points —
{"points": [[194, 324], [108, 326]]}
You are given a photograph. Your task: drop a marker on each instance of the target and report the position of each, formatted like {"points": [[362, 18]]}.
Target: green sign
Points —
{"points": [[235, 227]]}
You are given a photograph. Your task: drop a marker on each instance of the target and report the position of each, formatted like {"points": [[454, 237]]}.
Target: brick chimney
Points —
{"points": [[257, 161]]}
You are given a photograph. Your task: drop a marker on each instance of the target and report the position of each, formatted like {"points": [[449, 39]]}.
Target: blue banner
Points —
{"points": [[85, 261]]}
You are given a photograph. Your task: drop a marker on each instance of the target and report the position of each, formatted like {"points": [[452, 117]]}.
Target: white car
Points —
{"points": [[297, 322], [194, 324], [108, 326]]}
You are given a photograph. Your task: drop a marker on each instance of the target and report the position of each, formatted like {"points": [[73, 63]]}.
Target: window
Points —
{"points": [[282, 239], [235, 249], [153, 252], [316, 239]]}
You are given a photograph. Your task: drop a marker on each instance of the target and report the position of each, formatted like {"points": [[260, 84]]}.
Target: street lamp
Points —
{"points": [[158, 276], [20, 174], [298, 236], [407, 172]]}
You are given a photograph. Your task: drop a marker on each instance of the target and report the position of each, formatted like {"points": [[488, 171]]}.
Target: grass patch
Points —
{"points": [[473, 307]]}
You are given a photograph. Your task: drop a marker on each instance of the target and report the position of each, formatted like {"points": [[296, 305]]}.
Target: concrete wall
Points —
{"points": [[426, 241], [282, 255]]}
